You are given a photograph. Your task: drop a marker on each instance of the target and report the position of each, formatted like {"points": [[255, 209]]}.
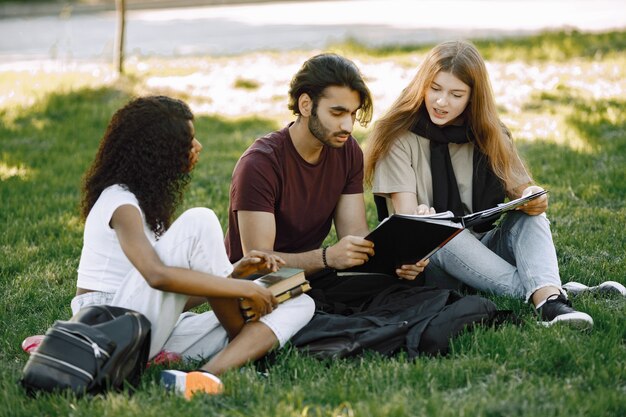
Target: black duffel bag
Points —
{"points": [[98, 349], [418, 320]]}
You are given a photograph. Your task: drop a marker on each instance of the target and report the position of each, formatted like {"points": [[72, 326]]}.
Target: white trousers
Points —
{"points": [[195, 241]]}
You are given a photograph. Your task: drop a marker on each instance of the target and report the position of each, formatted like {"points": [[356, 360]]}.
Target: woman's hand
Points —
{"points": [[410, 272], [423, 210], [256, 262], [257, 301], [538, 205]]}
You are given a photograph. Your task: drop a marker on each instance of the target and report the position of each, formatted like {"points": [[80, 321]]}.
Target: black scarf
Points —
{"points": [[487, 189]]}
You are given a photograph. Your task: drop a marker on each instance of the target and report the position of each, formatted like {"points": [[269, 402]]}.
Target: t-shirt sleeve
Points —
{"points": [[115, 197], [255, 183], [394, 173], [354, 183]]}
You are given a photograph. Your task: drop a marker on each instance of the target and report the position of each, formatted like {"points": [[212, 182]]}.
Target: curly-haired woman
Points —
{"points": [[135, 256], [443, 147]]}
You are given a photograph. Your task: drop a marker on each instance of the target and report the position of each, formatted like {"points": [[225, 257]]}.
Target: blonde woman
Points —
{"points": [[442, 147]]}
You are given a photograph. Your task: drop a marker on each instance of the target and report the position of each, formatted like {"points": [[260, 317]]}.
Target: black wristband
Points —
{"points": [[324, 257]]}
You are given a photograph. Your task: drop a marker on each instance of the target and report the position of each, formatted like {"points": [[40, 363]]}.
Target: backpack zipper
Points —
{"points": [[137, 338], [62, 362], [104, 307], [97, 350], [139, 329], [112, 316]]}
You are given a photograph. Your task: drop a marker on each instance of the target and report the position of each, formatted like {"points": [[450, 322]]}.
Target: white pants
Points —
{"points": [[195, 241]]}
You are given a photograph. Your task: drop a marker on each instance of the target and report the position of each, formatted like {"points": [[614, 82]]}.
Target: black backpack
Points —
{"points": [[98, 349], [419, 320]]}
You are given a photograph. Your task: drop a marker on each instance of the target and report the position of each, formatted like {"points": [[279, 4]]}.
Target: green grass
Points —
{"points": [[553, 46], [246, 84], [50, 128]]}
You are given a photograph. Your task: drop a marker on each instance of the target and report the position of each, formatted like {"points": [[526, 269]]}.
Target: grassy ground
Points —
{"points": [[571, 130]]}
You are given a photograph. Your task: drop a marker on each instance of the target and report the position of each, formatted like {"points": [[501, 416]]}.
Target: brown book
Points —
{"points": [[294, 292], [282, 280], [286, 283]]}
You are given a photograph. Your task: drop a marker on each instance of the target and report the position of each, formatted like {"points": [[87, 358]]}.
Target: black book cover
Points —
{"points": [[402, 240]]}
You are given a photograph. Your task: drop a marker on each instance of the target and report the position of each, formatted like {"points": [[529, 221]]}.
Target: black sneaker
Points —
{"points": [[558, 309], [606, 288]]}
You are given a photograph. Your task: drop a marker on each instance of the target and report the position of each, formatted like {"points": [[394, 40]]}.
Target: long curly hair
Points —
{"points": [[463, 60], [145, 148]]}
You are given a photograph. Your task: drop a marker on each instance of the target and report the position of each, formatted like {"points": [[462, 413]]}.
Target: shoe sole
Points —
{"points": [[202, 382], [31, 343], [189, 383], [608, 287], [174, 381], [577, 320]]}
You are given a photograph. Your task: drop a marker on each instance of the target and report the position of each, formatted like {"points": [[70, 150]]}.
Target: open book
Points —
{"points": [[491, 214], [403, 239], [285, 283]]}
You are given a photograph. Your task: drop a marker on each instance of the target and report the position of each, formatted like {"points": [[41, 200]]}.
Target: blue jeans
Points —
{"points": [[516, 258]]}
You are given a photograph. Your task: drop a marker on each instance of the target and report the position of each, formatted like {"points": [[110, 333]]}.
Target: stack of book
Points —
{"points": [[284, 284]]}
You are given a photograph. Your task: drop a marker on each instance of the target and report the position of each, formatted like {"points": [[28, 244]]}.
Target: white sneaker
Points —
{"points": [[607, 287], [189, 383]]}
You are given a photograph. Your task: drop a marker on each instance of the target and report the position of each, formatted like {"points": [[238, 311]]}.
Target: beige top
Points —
{"points": [[406, 168]]}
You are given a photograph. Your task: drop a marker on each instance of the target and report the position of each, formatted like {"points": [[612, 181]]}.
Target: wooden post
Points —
{"points": [[118, 53]]}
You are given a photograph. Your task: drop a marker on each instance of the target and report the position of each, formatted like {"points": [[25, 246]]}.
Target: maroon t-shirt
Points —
{"points": [[272, 177]]}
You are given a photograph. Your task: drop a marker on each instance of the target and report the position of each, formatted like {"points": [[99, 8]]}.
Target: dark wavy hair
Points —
{"points": [[326, 70], [146, 149]]}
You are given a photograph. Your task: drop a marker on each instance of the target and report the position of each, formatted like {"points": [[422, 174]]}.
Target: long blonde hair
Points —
{"points": [[462, 60]]}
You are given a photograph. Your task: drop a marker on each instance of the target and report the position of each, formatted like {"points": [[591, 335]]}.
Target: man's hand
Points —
{"points": [[348, 252], [257, 301], [256, 262], [536, 206], [410, 272]]}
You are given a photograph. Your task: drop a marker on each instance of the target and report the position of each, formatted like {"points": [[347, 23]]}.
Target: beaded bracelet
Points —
{"points": [[324, 257]]}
